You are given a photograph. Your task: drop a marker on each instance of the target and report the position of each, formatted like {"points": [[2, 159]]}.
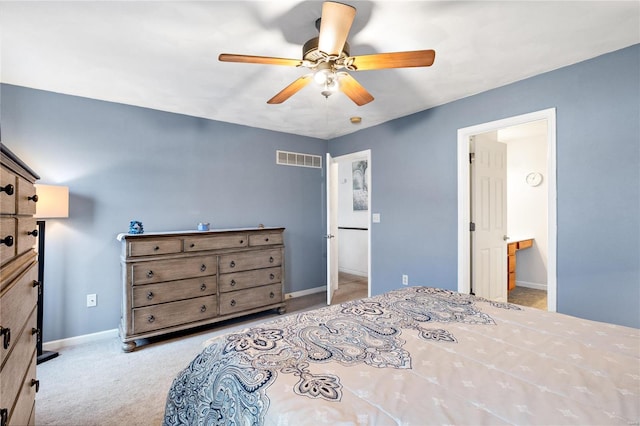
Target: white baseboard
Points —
{"points": [[353, 272], [307, 292], [537, 286], [55, 345]]}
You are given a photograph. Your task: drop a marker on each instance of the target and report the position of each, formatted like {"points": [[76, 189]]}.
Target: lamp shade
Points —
{"points": [[53, 201]]}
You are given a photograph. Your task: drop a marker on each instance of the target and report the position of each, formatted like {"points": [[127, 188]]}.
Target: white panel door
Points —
{"points": [[332, 227], [489, 214]]}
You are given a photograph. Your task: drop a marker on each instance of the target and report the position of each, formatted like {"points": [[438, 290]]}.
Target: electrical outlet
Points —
{"points": [[405, 279], [92, 300]]}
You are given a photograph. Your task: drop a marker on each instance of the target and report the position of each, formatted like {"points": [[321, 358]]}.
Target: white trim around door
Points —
{"points": [[464, 215]]}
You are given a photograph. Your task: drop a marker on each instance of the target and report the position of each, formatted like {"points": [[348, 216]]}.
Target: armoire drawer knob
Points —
{"points": [[34, 232], [151, 318], [36, 383], [150, 295], [241, 241], [33, 198], [232, 264], [192, 245], [271, 259], [156, 248], [272, 295], [8, 240], [233, 302], [203, 287], [203, 308], [7, 188], [6, 337], [272, 276], [203, 268], [149, 274], [4, 416], [233, 283], [266, 239]]}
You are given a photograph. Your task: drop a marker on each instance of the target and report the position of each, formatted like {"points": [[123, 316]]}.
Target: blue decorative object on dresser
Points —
{"points": [[135, 227]]}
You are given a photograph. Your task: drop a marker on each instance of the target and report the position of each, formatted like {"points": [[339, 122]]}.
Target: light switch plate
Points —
{"points": [[375, 218]]}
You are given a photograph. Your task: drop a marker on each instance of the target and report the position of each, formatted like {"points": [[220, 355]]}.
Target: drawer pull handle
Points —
{"points": [[233, 302], [232, 264], [34, 232], [4, 416], [203, 287], [271, 259], [151, 318], [35, 383], [6, 337], [233, 283], [36, 331], [266, 239], [203, 308], [33, 198], [8, 241], [150, 295], [241, 241], [203, 267], [7, 188], [272, 276], [149, 274], [272, 295], [192, 245], [156, 248]]}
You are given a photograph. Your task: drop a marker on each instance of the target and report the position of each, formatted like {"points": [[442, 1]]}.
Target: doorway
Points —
{"points": [[465, 135], [348, 226]]}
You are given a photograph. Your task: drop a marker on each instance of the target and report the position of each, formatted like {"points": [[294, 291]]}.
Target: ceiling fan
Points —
{"points": [[329, 58]]}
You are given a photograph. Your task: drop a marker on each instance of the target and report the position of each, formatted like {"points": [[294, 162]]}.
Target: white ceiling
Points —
{"points": [[163, 55]]}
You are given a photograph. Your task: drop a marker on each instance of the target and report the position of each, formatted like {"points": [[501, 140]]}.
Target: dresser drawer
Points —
{"points": [[23, 411], [215, 242], [511, 260], [265, 239], [250, 260], [7, 197], [241, 300], [247, 279], [16, 305], [27, 234], [173, 269], [8, 227], [166, 315], [26, 197], [151, 247], [152, 294], [20, 359]]}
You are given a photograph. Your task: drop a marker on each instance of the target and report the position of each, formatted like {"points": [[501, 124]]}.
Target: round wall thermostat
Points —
{"points": [[534, 179]]}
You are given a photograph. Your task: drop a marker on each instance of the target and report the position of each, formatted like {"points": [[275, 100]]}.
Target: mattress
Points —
{"points": [[414, 356]]}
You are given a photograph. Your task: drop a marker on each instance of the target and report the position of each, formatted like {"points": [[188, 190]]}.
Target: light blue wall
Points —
{"points": [[172, 171], [414, 184], [167, 170]]}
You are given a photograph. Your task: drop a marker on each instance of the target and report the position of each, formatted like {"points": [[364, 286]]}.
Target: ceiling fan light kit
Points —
{"points": [[328, 57]]}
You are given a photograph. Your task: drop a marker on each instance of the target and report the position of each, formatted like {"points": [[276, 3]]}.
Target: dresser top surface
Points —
{"points": [[126, 236]]}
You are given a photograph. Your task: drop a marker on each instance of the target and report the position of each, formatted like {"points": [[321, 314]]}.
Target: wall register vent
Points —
{"points": [[286, 158]]}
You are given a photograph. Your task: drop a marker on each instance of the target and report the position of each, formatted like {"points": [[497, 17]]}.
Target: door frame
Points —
{"points": [[360, 154], [464, 215]]}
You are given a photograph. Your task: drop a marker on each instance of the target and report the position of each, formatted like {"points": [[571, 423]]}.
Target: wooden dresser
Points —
{"points": [[180, 280], [512, 248], [19, 289]]}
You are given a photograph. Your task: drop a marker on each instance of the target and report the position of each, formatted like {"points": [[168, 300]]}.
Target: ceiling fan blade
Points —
{"points": [[268, 60], [334, 26], [415, 58], [291, 89], [354, 90]]}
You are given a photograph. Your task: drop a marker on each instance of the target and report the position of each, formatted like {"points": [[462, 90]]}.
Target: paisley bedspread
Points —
{"points": [[415, 356]]}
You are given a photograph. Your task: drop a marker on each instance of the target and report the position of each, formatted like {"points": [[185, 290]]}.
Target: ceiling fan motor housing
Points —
{"points": [[311, 53]]}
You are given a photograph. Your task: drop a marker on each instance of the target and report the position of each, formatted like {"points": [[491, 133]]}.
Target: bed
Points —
{"points": [[414, 356]]}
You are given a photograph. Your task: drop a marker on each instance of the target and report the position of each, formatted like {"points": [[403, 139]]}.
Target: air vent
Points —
{"points": [[286, 158]]}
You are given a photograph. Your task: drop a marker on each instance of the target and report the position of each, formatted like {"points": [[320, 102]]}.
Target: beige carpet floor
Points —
{"points": [[528, 297]]}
